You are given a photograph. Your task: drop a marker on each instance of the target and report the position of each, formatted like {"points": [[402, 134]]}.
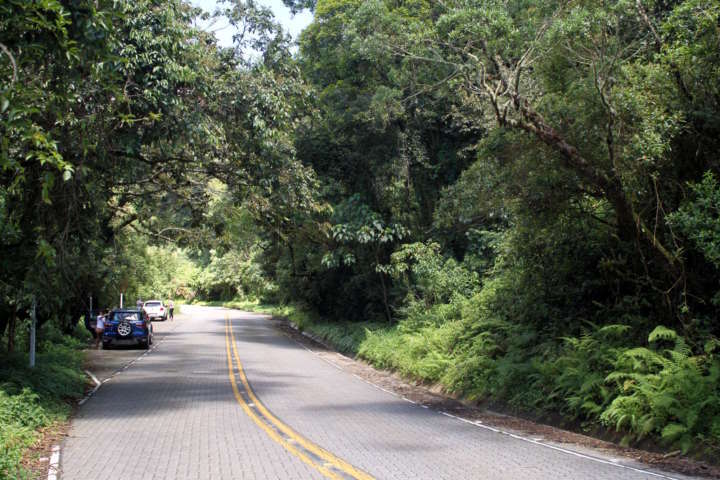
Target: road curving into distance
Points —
{"points": [[227, 396]]}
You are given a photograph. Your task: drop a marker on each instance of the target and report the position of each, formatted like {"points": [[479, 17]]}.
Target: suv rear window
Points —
{"points": [[118, 316], [152, 304]]}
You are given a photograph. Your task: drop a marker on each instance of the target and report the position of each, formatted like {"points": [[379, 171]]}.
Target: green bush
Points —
{"points": [[667, 391], [420, 346], [699, 219], [37, 397], [576, 379], [430, 276], [19, 416], [345, 337]]}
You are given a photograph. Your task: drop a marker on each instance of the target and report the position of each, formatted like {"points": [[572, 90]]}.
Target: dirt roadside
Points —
{"points": [[548, 434]]}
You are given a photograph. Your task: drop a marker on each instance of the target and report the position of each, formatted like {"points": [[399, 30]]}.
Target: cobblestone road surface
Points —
{"points": [[173, 415]]}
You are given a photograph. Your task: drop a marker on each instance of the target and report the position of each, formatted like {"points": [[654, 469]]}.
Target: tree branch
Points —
{"points": [[12, 62]]}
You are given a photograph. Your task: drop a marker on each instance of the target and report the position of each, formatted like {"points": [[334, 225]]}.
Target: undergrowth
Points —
{"points": [[31, 399]]}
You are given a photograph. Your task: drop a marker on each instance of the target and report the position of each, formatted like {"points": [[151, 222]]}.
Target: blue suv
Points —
{"points": [[127, 327]]}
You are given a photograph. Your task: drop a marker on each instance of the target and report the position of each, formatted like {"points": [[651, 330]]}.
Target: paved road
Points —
{"points": [[225, 396]]}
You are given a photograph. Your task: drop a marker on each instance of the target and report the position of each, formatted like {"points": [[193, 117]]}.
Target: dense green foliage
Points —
{"points": [[115, 116], [548, 172], [517, 200]]}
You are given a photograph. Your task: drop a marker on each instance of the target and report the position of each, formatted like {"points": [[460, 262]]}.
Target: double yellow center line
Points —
{"points": [[308, 452]]}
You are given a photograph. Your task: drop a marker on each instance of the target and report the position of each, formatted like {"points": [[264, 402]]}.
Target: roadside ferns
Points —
{"points": [[666, 391]]}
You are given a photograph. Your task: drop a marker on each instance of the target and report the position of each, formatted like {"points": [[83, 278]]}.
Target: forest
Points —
{"points": [[517, 201]]}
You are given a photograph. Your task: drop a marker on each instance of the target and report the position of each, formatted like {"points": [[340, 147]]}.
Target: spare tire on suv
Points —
{"points": [[124, 329]]}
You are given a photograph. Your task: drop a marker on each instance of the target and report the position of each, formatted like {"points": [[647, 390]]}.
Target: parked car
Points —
{"points": [[128, 327], [156, 309]]}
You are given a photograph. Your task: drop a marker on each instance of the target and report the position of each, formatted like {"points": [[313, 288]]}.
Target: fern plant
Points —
{"points": [[579, 387], [666, 392]]}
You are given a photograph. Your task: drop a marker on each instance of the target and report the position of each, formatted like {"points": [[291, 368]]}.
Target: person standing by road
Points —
{"points": [[100, 327], [139, 303], [171, 309]]}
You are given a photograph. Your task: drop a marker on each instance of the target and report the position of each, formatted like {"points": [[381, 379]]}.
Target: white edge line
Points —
{"points": [[492, 429], [94, 378], [581, 455], [54, 462], [89, 394]]}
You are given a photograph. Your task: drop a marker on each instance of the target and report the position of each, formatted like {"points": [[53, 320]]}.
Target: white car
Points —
{"points": [[155, 309]]}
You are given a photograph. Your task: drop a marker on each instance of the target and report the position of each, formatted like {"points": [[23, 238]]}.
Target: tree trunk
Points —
{"points": [[292, 258], [384, 288], [11, 332], [3, 324], [626, 225], [631, 226], [385, 297]]}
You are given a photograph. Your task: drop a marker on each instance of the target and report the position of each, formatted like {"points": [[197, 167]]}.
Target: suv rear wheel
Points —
{"points": [[124, 329]]}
